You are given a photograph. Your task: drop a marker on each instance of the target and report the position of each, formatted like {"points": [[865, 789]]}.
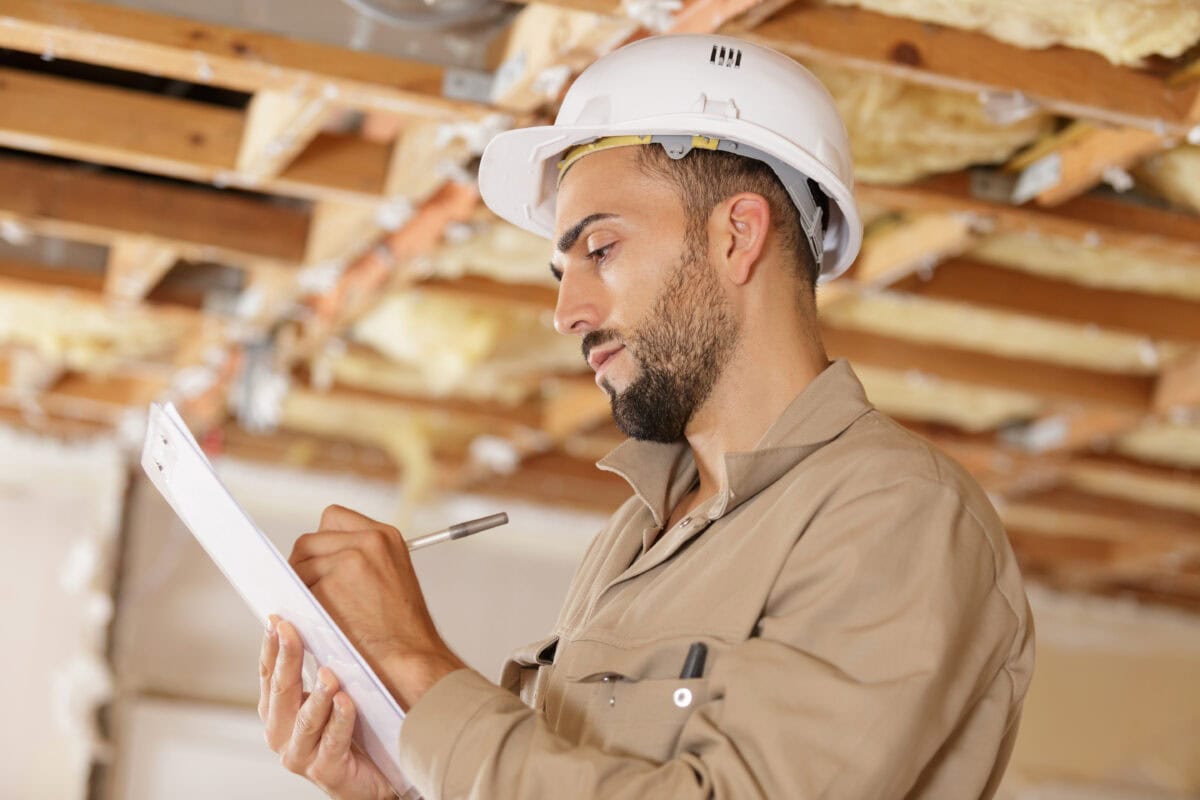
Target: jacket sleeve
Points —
{"points": [[885, 628]]}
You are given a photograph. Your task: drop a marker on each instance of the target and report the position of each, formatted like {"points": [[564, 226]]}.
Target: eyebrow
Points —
{"points": [[568, 239]]}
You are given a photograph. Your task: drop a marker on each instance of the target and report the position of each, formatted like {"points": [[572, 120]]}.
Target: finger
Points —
{"points": [[335, 741], [286, 690], [340, 518], [377, 542], [327, 543], [266, 666], [318, 568], [310, 723]]}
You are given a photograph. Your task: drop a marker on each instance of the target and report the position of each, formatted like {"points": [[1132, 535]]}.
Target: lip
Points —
{"points": [[598, 358]]}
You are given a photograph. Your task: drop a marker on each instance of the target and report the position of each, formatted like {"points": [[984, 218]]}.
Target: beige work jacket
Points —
{"points": [[867, 632]]}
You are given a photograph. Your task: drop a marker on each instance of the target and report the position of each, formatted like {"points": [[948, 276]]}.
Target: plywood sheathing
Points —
{"points": [[1123, 31]]}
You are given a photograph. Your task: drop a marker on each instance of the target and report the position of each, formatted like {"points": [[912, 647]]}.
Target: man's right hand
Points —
{"points": [[312, 734]]}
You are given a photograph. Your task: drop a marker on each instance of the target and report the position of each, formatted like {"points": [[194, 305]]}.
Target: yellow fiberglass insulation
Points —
{"points": [[1123, 31], [1175, 175], [901, 131]]}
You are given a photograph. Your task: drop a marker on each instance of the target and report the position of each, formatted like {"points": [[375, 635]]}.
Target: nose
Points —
{"points": [[579, 309]]}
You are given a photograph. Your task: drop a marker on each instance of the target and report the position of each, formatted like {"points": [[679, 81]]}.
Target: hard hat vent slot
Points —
{"points": [[725, 56]]}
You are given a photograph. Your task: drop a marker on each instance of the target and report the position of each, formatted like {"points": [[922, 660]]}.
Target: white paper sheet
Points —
{"points": [[261, 575]]}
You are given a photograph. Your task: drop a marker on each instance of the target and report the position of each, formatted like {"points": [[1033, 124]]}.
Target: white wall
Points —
{"points": [[60, 509]]}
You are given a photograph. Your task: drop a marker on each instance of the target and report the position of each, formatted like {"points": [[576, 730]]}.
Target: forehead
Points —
{"points": [[610, 182]]}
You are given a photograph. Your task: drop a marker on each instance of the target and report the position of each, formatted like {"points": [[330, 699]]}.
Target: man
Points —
{"points": [[801, 599]]}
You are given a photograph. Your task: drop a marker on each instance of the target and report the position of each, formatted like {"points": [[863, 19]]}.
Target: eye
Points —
{"points": [[600, 253]]}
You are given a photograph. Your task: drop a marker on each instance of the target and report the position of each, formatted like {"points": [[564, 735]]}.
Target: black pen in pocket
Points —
{"points": [[693, 665]]}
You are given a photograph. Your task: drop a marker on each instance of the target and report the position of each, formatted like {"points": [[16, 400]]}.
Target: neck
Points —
{"points": [[767, 370]]}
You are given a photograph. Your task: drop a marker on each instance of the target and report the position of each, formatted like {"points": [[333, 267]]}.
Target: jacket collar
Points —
{"points": [[660, 474]]}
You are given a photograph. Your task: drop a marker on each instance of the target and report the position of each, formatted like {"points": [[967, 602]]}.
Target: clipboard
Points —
{"points": [[261, 574]]}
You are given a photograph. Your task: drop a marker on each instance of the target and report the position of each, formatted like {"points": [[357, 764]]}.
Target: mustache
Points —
{"points": [[594, 339]]}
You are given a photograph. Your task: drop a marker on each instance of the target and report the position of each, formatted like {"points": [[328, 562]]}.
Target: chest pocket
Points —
{"points": [[528, 671], [625, 701]]}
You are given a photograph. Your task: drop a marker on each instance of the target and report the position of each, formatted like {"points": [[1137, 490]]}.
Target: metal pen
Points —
{"points": [[459, 531]]}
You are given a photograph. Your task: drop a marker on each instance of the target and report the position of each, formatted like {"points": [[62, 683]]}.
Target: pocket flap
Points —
{"points": [[587, 658], [535, 654]]}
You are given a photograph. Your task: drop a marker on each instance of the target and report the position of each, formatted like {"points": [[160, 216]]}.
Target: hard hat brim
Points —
{"points": [[518, 172]]}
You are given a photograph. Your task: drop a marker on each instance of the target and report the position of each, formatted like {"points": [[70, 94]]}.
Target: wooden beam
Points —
{"points": [[491, 292], [1179, 386], [1119, 539], [278, 125], [1069, 511], [1073, 428], [574, 406], [1060, 383], [1088, 218], [546, 45], [39, 421], [553, 478], [1136, 481], [1071, 82], [1081, 156], [359, 285], [557, 479], [102, 399], [65, 277], [422, 160], [895, 248], [706, 16], [192, 140], [199, 52], [340, 230], [963, 280], [135, 265], [202, 224]]}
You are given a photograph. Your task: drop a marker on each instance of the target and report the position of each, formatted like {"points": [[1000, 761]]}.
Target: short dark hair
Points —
{"points": [[703, 178]]}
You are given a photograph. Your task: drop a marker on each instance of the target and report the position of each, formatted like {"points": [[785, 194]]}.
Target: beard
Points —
{"points": [[682, 347]]}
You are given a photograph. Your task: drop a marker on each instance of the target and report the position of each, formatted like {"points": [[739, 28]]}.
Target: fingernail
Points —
{"points": [[271, 623], [324, 679]]}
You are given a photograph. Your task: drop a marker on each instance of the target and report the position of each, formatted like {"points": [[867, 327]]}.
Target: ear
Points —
{"points": [[743, 222]]}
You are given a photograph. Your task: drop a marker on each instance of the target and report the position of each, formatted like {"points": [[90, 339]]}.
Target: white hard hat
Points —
{"points": [[685, 91]]}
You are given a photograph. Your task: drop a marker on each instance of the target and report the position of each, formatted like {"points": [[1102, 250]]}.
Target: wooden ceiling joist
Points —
{"points": [[134, 266], [277, 127], [545, 46], [1081, 156], [202, 225], [249, 61], [485, 290], [893, 249], [1065, 511], [1071, 82], [191, 140], [966, 281], [1053, 382], [1179, 386], [1091, 219]]}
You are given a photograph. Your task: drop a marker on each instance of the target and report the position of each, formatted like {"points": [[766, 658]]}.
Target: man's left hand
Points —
{"points": [[360, 571]]}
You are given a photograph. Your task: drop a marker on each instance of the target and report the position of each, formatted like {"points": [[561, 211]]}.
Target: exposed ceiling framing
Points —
{"points": [[1041, 327]]}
